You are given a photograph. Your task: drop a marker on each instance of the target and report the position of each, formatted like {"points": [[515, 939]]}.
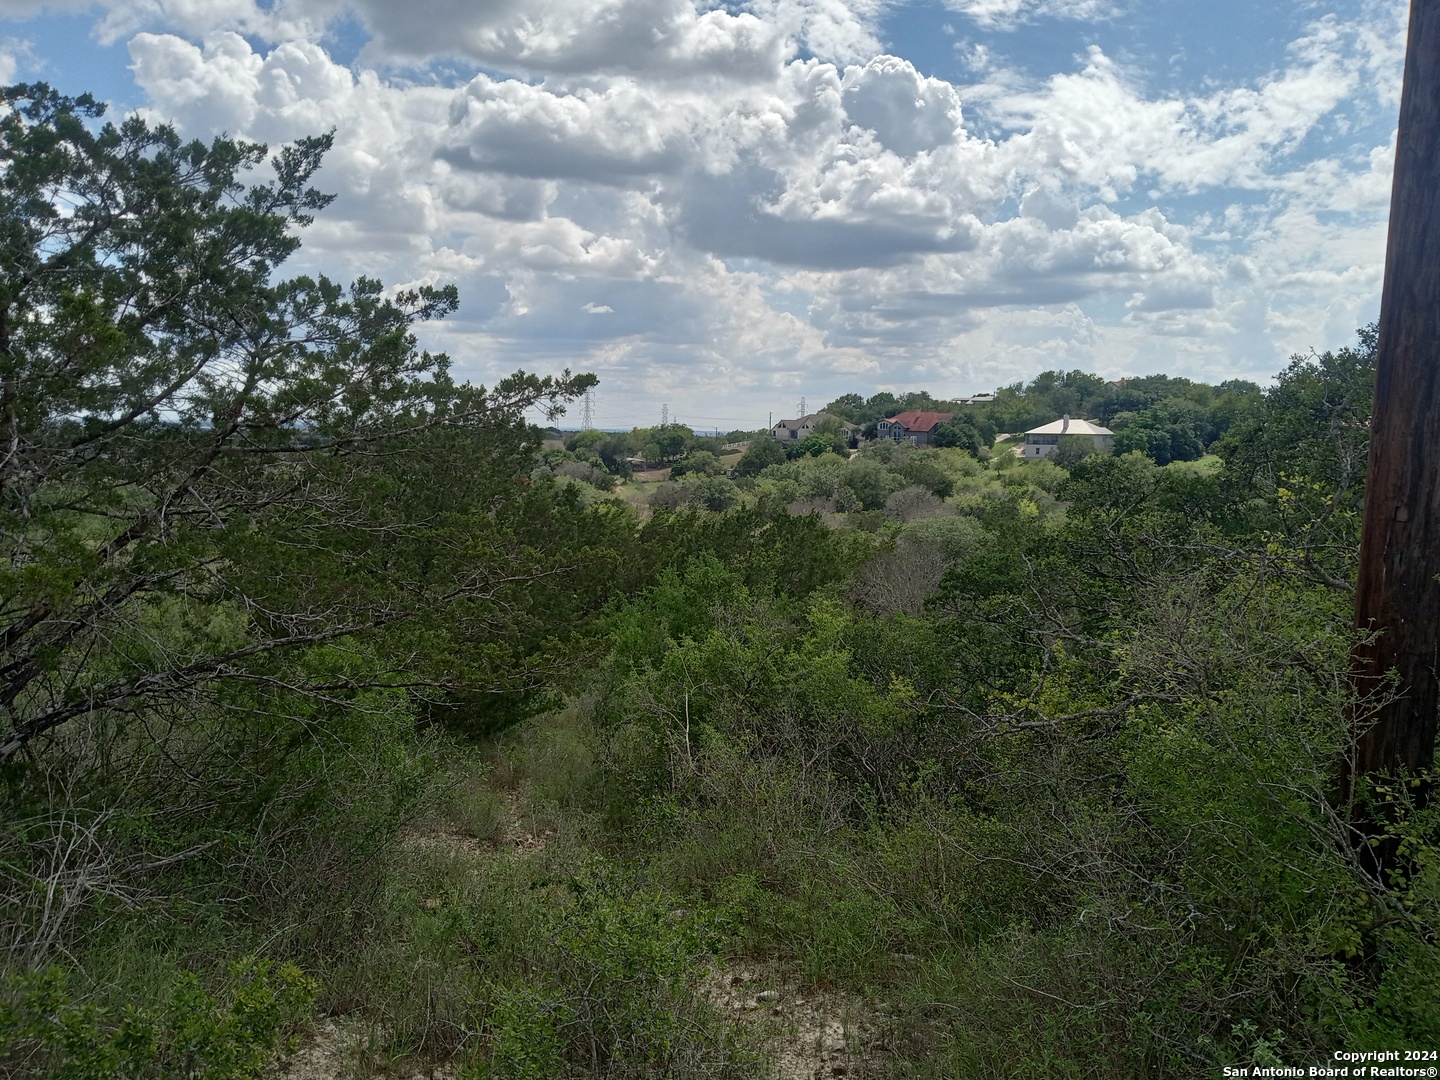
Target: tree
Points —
{"points": [[712, 492], [870, 482], [585, 442], [921, 469], [697, 461], [1302, 447], [815, 445], [913, 503], [615, 451], [669, 441], [962, 432], [188, 440], [1073, 449], [760, 455], [1156, 436], [847, 406]]}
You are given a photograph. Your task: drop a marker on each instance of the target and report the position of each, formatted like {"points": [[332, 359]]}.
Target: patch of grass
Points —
{"points": [[555, 756], [478, 811]]}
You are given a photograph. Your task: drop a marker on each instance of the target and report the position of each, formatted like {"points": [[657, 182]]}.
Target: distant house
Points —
{"points": [[1043, 441], [977, 399], [916, 427], [795, 430]]}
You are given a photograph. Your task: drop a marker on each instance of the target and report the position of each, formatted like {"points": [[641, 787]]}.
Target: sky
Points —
{"points": [[726, 208]]}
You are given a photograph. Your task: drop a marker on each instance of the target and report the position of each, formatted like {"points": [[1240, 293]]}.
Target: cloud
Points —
{"points": [[755, 200], [1019, 261], [224, 85], [674, 39], [9, 62], [24, 9], [283, 20], [745, 214], [655, 37], [1096, 128], [609, 135], [1007, 14], [907, 111], [840, 31]]}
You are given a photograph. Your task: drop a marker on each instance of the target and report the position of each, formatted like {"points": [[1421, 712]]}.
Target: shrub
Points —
{"points": [[46, 1032], [762, 452]]}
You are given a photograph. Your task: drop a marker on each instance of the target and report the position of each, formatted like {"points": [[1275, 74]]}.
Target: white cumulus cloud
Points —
{"points": [[756, 199]]}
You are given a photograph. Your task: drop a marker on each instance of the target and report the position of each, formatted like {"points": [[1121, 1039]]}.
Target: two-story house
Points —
{"points": [[1044, 440], [916, 427], [795, 430]]}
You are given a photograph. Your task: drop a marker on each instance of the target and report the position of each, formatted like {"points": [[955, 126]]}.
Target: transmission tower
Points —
{"points": [[587, 413], [802, 408], [665, 415]]}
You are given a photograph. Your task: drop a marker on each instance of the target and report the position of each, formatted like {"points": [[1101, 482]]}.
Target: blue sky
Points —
{"points": [[724, 207]]}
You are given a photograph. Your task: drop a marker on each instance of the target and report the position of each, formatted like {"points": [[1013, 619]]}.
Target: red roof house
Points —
{"points": [[916, 427]]}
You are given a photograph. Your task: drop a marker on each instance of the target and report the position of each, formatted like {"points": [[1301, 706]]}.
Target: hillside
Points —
{"points": [[351, 731]]}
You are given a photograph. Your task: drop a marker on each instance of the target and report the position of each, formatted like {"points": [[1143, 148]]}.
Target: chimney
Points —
{"points": [[1065, 425]]}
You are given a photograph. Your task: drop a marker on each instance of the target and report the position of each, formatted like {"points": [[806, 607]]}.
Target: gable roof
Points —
{"points": [[919, 421], [812, 418], [1066, 426]]}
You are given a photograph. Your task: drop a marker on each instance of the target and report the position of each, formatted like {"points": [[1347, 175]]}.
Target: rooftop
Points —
{"points": [[811, 418], [919, 421], [1067, 426]]}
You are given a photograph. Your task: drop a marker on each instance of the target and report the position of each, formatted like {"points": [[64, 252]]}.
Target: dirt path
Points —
{"points": [[809, 1034], [806, 1033]]}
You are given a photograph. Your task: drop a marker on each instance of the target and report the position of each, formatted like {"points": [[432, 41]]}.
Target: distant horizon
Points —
{"points": [[778, 418]]}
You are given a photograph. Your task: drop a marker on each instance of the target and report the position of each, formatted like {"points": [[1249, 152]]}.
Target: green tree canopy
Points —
{"points": [[762, 452], [183, 428]]}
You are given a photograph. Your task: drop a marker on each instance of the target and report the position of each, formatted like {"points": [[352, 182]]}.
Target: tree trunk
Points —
{"points": [[1397, 596]]}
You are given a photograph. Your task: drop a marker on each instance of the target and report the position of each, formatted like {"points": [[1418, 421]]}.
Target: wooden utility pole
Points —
{"points": [[1397, 596]]}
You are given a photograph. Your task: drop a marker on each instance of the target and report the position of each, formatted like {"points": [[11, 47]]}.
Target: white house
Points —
{"points": [[1044, 440]]}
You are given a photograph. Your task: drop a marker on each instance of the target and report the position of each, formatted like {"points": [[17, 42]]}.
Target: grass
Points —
{"points": [[555, 958], [478, 811]]}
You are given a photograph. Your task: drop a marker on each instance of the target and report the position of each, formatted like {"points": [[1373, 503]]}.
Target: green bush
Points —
{"points": [[46, 1032], [594, 974]]}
